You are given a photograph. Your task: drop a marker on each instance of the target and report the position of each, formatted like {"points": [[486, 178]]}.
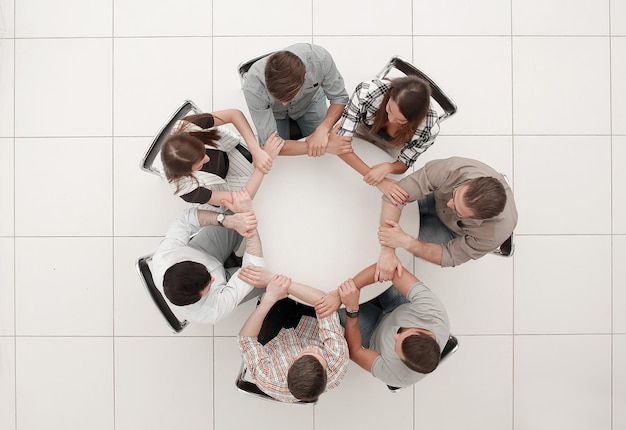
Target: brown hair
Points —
{"points": [[412, 95], [183, 282], [182, 149], [284, 75], [485, 196], [306, 379], [421, 353]]}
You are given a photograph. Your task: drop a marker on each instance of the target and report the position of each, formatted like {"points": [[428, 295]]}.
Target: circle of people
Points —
{"points": [[295, 352]]}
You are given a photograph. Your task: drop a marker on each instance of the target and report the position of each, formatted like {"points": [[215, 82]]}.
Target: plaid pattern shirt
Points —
{"points": [[362, 108], [269, 363]]}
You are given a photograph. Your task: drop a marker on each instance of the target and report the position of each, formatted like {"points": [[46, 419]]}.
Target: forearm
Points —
{"points": [[254, 182], [208, 217], [354, 161], [253, 245], [252, 326], [397, 167], [332, 116], [294, 147], [389, 212], [432, 252], [353, 336], [305, 293]]}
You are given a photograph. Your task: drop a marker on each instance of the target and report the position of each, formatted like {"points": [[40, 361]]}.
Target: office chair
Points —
{"points": [[446, 104], [451, 346], [151, 162], [143, 268], [508, 246]]}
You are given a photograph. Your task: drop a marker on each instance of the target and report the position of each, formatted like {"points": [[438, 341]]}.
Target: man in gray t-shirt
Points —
{"points": [[399, 335]]}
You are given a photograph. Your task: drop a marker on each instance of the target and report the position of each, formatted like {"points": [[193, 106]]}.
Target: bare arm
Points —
{"points": [[318, 140], [388, 262], [276, 290], [349, 293], [391, 235]]}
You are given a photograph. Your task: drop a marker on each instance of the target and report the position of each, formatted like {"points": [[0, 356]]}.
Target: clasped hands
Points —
{"points": [[243, 219]]}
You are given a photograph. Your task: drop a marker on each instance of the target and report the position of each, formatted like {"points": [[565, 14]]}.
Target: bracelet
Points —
{"points": [[354, 314]]}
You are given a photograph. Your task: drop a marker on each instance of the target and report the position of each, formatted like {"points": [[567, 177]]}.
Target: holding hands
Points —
{"points": [[277, 289], [255, 275], [394, 192], [349, 294], [243, 219], [338, 145], [270, 151]]}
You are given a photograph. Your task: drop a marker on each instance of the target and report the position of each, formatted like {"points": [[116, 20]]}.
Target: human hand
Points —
{"points": [[327, 304], [349, 294], [262, 161], [338, 145], [394, 192], [244, 223], [277, 289], [377, 173], [255, 275], [392, 235], [242, 202], [317, 143], [273, 145], [387, 264]]}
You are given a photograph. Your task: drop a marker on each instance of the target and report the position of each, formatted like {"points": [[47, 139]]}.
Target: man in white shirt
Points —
{"points": [[189, 263]]}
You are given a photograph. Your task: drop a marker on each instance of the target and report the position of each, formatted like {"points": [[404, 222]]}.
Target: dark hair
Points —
{"points": [[306, 379], [284, 75], [421, 353], [412, 95], [485, 196], [183, 282], [182, 149]]}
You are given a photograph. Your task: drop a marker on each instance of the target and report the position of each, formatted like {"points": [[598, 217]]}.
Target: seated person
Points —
{"points": [[188, 265], [395, 115], [294, 84], [305, 359], [203, 162], [399, 335], [466, 211]]}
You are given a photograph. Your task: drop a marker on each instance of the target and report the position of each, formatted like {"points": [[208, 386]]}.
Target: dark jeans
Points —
{"points": [[285, 313]]}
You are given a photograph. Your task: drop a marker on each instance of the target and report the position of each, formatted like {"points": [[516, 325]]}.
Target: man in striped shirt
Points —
{"points": [[307, 357]]}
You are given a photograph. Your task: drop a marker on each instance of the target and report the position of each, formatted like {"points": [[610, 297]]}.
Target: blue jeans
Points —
{"points": [[307, 122], [372, 312], [432, 230]]}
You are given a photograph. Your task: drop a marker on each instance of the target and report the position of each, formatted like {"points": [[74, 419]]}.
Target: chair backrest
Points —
{"points": [[508, 246], [143, 268], [451, 346], [151, 162], [448, 107], [244, 66], [245, 385]]}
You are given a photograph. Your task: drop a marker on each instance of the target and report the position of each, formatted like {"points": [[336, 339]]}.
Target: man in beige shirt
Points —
{"points": [[466, 211]]}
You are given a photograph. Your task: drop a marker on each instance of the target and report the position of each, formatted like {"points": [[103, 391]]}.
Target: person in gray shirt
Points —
{"points": [[292, 84], [397, 336]]}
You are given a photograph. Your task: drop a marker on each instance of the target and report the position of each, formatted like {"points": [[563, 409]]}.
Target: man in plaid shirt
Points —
{"points": [[302, 361]]}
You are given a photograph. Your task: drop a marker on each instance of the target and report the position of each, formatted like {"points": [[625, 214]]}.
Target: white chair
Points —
{"points": [[151, 161]]}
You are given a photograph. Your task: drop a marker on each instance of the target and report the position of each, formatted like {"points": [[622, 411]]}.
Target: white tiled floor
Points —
{"points": [[84, 85]]}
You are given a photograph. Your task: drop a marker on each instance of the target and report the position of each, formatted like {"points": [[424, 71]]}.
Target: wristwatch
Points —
{"points": [[220, 219], [354, 314]]}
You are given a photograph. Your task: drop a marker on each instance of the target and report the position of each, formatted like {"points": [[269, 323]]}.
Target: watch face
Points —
{"points": [[220, 219]]}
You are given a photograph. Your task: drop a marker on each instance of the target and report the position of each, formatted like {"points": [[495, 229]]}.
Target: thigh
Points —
{"points": [[284, 314], [390, 299], [283, 128], [369, 317], [217, 241], [432, 230], [314, 115]]}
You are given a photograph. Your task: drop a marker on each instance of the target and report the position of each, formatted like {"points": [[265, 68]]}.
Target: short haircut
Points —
{"points": [[306, 379], [485, 196], [183, 282], [284, 75], [421, 353]]}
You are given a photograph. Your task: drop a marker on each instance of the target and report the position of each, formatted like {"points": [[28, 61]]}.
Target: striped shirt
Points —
{"points": [[362, 108], [268, 364]]}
